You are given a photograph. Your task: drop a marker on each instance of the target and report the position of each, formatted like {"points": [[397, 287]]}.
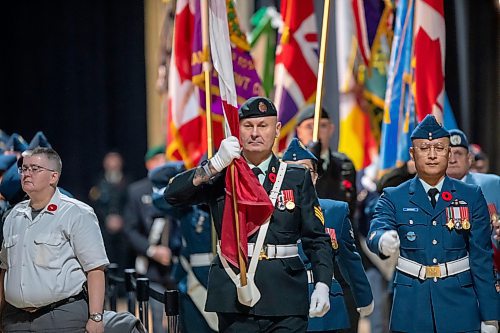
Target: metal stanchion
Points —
{"points": [[129, 287], [171, 301], [112, 274], [143, 299]]}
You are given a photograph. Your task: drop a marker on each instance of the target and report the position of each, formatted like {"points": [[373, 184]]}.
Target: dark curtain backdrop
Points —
{"points": [[76, 71], [473, 26]]}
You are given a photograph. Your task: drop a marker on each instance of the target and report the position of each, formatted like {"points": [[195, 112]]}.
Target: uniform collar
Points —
{"points": [[427, 187], [51, 208], [262, 166], [273, 166], [419, 197]]}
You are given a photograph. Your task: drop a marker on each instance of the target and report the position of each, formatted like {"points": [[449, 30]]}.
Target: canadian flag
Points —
{"points": [[429, 58]]}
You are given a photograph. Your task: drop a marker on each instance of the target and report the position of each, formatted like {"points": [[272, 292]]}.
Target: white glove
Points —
{"points": [[229, 150], [320, 300], [365, 311], [489, 326], [388, 243]]}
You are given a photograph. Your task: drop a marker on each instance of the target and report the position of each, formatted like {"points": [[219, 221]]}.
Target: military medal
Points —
{"points": [[450, 224], [464, 217], [450, 218], [288, 199], [466, 224], [280, 202], [333, 237], [492, 209]]}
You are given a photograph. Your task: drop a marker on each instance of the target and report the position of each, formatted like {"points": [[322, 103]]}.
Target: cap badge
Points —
{"points": [[455, 140], [262, 107]]}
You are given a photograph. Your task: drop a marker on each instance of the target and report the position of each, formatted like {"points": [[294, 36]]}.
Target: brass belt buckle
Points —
{"points": [[263, 253], [432, 272]]}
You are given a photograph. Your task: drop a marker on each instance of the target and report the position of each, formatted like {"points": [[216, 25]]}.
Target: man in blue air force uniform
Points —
{"points": [[458, 168], [339, 228], [444, 280]]}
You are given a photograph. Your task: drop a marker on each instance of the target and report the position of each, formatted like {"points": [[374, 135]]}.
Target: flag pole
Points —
{"points": [[241, 259], [208, 101], [321, 70], [207, 71]]}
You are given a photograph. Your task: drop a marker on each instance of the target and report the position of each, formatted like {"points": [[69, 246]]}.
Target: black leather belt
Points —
{"points": [[52, 306]]}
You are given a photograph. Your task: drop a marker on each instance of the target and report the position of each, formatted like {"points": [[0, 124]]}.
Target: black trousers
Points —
{"points": [[238, 323]]}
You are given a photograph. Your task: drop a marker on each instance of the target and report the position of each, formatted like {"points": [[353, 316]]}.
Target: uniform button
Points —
{"points": [[434, 260], [435, 279], [434, 242], [411, 221], [434, 223]]}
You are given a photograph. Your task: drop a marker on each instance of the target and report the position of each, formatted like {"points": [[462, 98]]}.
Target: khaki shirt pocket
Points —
{"points": [[48, 250]]}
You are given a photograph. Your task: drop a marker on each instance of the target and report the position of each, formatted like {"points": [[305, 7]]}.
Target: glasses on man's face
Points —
{"points": [[439, 148], [25, 169]]}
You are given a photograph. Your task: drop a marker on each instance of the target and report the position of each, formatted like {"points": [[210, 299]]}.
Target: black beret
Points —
{"points": [[308, 112], [256, 107]]}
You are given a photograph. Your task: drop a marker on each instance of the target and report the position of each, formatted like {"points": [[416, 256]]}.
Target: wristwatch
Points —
{"points": [[206, 167], [97, 317]]}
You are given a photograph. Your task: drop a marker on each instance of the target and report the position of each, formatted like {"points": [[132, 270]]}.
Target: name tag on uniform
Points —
{"points": [[410, 209]]}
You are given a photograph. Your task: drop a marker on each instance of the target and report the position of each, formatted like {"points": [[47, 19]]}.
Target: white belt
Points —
{"points": [[200, 259], [438, 271], [310, 276], [271, 251]]}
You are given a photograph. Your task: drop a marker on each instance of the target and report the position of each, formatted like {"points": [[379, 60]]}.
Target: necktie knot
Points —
{"points": [[432, 194], [257, 171]]}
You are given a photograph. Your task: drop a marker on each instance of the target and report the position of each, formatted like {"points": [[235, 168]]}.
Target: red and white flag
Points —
{"points": [[429, 57], [186, 139], [254, 206]]}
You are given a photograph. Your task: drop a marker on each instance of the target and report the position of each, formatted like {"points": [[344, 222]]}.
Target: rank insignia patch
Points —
{"points": [[319, 214]]}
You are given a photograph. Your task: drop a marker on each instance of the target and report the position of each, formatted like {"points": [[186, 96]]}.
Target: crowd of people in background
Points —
{"points": [[174, 246]]}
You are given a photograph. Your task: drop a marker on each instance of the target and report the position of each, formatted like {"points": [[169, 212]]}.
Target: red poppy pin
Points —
{"points": [[272, 177], [446, 196], [52, 208], [346, 184]]}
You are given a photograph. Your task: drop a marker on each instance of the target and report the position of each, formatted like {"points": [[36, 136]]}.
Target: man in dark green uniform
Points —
{"points": [[280, 276]]}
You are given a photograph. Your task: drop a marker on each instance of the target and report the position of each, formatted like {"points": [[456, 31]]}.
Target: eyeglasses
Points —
{"points": [[33, 169], [439, 149]]}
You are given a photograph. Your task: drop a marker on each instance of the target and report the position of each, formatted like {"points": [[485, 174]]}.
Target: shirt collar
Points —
{"points": [[262, 166], [427, 187], [51, 208]]}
